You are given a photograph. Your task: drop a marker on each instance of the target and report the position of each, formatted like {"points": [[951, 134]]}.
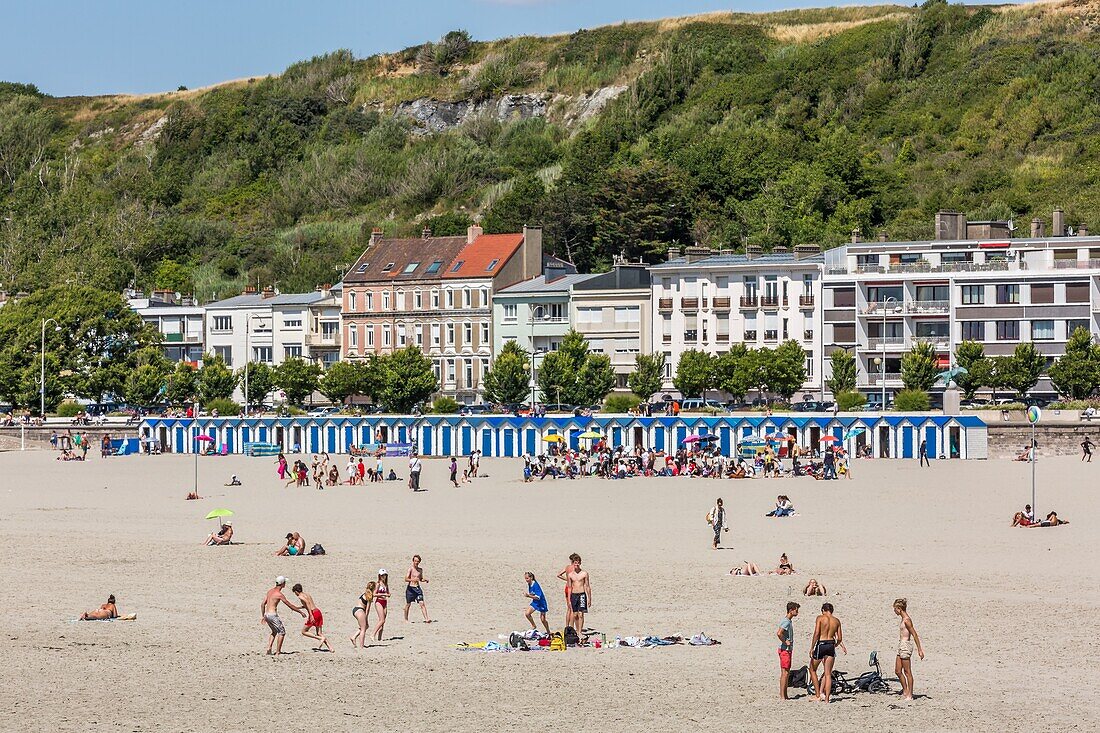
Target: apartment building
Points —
{"points": [[435, 293], [534, 313], [613, 311], [708, 300], [322, 343], [265, 326], [976, 283], [179, 319]]}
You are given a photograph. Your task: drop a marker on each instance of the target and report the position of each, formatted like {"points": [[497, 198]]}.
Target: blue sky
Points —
{"points": [[70, 47]]}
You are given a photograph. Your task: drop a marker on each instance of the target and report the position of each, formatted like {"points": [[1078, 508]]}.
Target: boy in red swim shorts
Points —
{"points": [[314, 618], [786, 646]]}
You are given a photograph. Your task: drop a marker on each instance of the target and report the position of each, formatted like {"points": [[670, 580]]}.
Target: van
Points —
{"points": [[695, 403]]}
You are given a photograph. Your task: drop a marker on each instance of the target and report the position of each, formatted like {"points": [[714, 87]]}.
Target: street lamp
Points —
{"points": [[534, 314], [885, 301], [247, 360], [42, 370]]}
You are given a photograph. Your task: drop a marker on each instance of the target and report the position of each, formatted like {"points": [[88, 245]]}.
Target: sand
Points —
{"points": [[1005, 614]]}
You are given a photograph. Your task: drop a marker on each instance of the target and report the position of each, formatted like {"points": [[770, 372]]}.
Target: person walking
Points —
{"points": [[786, 647], [1086, 449], [907, 639], [924, 453], [454, 471], [414, 593], [538, 602], [827, 637], [269, 614], [717, 520], [414, 472]]}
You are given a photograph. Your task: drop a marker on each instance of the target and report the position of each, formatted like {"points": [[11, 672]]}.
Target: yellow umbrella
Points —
{"points": [[552, 438], [590, 434]]}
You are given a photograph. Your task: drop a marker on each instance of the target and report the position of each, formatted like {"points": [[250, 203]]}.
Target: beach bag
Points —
{"points": [[557, 644], [799, 678], [710, 518], [571, 638], [317, 550]]}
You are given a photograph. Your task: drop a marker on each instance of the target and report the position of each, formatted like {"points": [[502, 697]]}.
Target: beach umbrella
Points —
{"points": [[691, 439], [218, 513], [590, 434], [555, 438], [854, 432], [829, 439]]}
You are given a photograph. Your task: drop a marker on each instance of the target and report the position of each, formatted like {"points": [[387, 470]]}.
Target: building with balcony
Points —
{"points": [[614, 311], [435, 293], [976, 284], [708, 300], [179, 319], [322, 343]]}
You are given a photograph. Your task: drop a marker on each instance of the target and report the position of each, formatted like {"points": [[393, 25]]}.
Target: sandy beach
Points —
{"points": [[1004, 613]]}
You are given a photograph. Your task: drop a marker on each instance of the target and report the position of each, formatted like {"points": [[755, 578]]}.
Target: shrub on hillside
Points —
{"points": [[225, 408], [911, 400], [846, 401], [445, 406], [620, 403], [69, 409]]}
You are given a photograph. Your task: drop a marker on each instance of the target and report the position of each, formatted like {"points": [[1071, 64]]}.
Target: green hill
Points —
{"points": [[726, 129]]}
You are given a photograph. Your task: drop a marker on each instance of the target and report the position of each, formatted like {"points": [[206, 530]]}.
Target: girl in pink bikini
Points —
{"points": [[381, 598]]}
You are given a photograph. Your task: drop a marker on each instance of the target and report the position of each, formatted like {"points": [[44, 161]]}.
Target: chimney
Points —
{"points": [[1082, 231], [268, 292], [752, 251], [325, 290], [1058, 226], [375, 236], [855, 235], [882, 236], [950, 225], [803, 251], [696, 252], [1037, 228], [779, 249], [473, 232], [249, 290], [673, 252], [426, 233]]}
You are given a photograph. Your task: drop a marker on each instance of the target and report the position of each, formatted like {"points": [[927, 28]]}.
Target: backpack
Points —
{"points": [[571, 638], [317, 550], [557, 644]]}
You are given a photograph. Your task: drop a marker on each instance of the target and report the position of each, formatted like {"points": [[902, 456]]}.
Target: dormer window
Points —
{"points": [[434, 267], [458, 266], [491, 265], [388, 267], [410, 268]]}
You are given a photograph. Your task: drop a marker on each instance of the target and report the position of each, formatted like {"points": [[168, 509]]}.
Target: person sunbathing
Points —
{"points": [[813, 588], [783, 507], [222, 537], [234, 481], [1052, 520], [193, 495], [1026, 518], [785, 567], [295, 545], [746, 568], [1023, 455], [739, 472], [107, 611]]}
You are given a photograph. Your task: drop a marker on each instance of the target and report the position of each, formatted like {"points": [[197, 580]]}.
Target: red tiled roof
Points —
{"points": [[402, 253], [474, 259]]}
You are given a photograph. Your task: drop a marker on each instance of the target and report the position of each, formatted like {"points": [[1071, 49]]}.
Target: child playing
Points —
{"points": [[314, 618], [538, 602]]}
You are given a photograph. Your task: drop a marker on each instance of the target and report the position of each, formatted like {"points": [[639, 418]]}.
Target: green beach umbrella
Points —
{"points": [[217, 513]]}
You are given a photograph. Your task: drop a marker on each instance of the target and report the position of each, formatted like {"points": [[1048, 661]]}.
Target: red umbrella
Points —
{"points": [[829, 439]]}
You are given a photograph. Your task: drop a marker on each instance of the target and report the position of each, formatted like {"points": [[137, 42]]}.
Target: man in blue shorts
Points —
{"points": [[538, 602]]}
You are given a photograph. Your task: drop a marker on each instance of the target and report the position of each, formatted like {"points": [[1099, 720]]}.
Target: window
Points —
{"points": [[385, 300], [369, 330], [437, 371], [807, 285], [262, 354], [484, 333], [226, 354], [750, 286], [435, 300], [785, 331], [386, 335], [1041, 294], [955, 257], [628, 314], [510, 312], [467, 333], [401, 336], [418, 300], [483, 298], [399, 301], [1008, 294], [434, 267], [224, 323], [363, 267], [451, 370], [973, 294], [771, 287], [491, 265], [554, 311], [844, 333], [844, 298], [292, 322], [467, 298], [879, 294], [809, 364], [932, 292], [973, 330], [410, 268], [469, 373], [329, 329], [932, 329], [435, 335], [1074, 324], [419, 331], [1077, 292], [450, 334], [458, 266], [388, 267], [369, 301], [292, 351], [1042, 330], [1008, 330], [592, 315], [450, 299]]}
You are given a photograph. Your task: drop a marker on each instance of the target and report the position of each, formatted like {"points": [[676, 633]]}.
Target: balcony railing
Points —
{"points": [[691, 336], [721, 304], [722, 337], [769, 301], [321, 339], [889, 342], [805, 301], [750, 335], [1076, 264], [664, 304], [927, 306], [876, 377], [941, 342], [808, 335], [689, 304], [771, 335], [182, 338], [991, 266], [666, 338], [749, 301]]}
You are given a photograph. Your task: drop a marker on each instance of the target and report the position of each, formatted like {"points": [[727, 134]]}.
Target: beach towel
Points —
{"points": [[127, 617], [702, 639]]}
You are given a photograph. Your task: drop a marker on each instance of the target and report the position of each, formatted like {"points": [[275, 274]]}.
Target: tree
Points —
{"points": [[146, 383], [732, 372], [844, 372], [1028, 364], [755, 369], [786, 370], [920, 367], [999, 373], [216, 380], [648, 375], [695, 373], [521, 205], [1077, 373], [595, 379], [509, 378], [346, 379], [298, 378], [182, 384], [261, 381], [556, 377], [406, 379], [970, 355]]}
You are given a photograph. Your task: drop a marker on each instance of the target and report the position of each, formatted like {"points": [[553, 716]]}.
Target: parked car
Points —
{"points": [[694, 403], [560, 407], [323, 411], [480, 409]]}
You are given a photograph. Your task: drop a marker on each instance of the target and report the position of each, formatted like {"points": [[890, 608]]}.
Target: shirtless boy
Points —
{"points": [[563, 575], [413, 592], [827, 637], [269, 614], [580, 593], [314, 617], [907, 638]]}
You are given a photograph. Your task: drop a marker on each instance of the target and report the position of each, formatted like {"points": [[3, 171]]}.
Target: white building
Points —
{"points": [[708, 300], [179, 319]]}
